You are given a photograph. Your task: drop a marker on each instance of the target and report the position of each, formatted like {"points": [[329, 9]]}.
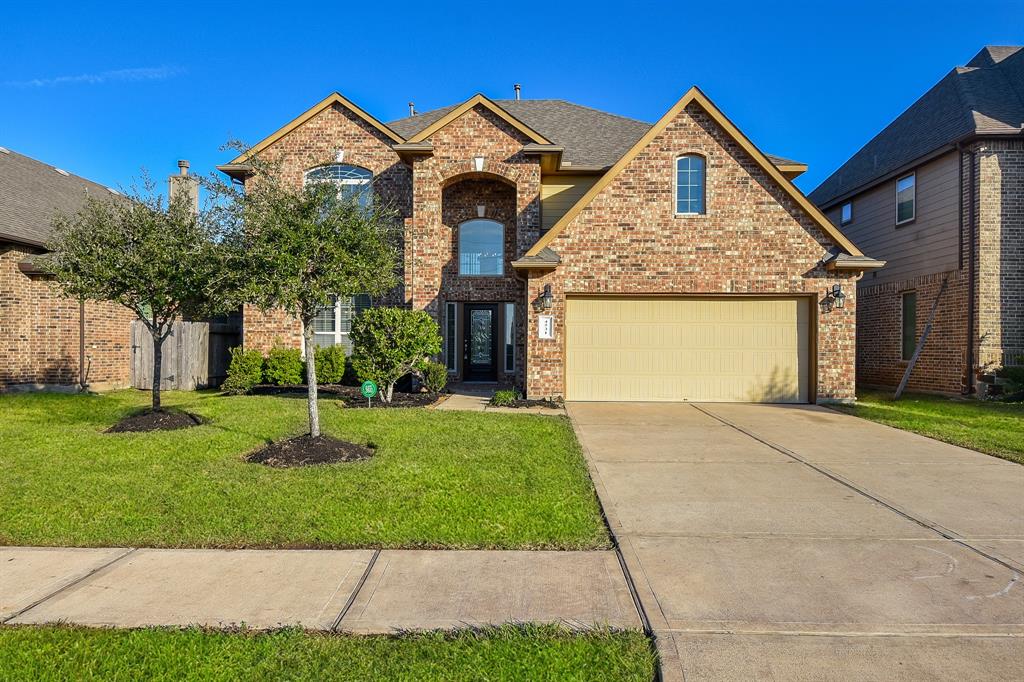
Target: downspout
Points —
{"points": [[81, 344], [971, 275]]}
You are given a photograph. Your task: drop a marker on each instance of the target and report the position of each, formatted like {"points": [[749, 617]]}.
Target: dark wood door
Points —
{"points": [[481, 342]]}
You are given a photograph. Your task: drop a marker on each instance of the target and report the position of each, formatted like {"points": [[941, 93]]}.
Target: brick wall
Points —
{"points": [[753, 239], [39, 333]]}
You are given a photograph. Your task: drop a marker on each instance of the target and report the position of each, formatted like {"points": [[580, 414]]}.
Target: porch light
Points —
{"points": [[547, 300], [834, 298], [478, 163], [838, 295]]}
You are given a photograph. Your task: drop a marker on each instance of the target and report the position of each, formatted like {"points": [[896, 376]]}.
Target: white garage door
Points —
{"points": [[701, 349]]}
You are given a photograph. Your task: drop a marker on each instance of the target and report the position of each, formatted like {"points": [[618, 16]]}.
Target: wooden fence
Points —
{"points": [[195, 355]]}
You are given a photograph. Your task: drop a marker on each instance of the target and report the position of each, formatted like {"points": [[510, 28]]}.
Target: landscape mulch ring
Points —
{"points": [[155, 420], [350, 396], [309, 451], [523, 402]]}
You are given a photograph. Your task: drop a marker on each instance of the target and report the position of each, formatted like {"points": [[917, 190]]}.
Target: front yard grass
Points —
{"points": [[505, 653], [438, 479], [986, 426]]}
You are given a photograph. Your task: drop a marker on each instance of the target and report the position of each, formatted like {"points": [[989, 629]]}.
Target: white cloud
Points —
{"points": [[119, 75]]}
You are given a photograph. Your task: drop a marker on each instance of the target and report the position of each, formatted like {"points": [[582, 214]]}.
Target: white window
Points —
{"points": [[333, 323], [451, 326], [353, 182], [906, 199], [846, 213], [482, 248], [690, 184], [510, 337]]}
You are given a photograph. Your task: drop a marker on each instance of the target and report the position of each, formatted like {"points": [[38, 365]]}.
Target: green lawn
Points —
{"points": [[439, 479], [992, 427], [506, 653]]}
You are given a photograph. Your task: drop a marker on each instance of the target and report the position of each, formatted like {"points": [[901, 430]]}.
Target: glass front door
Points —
{"points": [[481, 342]]}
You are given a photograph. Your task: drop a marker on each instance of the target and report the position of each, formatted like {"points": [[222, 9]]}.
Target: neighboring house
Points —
{"points": [[584, 255], [47, 341], [939, 194]]}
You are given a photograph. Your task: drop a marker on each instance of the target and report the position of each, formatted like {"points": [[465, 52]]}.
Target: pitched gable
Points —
{"points": [[471, 103]]}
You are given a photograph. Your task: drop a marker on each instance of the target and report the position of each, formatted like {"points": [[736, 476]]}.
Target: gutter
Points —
{"points": [[15, 239], [969, 387]]}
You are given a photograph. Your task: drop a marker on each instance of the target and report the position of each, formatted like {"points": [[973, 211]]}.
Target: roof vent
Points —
{"points": [[412, 109], [4, 150], [518, 91], [62, 171]]}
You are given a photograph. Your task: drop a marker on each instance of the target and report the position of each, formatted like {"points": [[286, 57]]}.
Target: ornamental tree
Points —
{"points": [[299, 247], [392, 342], [161, 260]]}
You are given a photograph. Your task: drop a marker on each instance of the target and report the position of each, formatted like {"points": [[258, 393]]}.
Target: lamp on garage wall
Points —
{"points": [[546, 301], [834, 298]]}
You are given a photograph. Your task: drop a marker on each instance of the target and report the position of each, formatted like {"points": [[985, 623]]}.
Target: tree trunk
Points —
{"points": [[314, 410], [158, 352], [388, 391]]}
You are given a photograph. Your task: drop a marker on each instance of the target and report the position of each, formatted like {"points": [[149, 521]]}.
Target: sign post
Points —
{"points": [[368, 389]]}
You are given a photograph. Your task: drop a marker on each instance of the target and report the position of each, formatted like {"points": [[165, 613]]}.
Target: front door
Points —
{"points": [[481, 341]]}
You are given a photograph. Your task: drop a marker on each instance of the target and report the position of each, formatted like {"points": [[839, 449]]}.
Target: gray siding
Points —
{"points": [[927, 245]]}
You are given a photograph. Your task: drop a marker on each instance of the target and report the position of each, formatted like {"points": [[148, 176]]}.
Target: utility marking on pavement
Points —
{"points": [[69, 585], [355, 591], [934, 527], [1000, 593], [950, 565]]}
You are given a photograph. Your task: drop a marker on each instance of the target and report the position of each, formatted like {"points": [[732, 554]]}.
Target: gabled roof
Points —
{"points": [[986, 97], [31, 192], [474, 101], [329, 101], [694, 95]]}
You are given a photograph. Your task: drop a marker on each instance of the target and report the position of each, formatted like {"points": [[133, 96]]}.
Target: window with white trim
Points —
{"points": [[333, 323], [451, 326], [353, 182], [510, 337], [482, 248], [690, 184], [906, 199]]}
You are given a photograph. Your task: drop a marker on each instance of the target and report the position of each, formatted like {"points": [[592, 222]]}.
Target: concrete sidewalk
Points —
{"points": [[362, 591]]}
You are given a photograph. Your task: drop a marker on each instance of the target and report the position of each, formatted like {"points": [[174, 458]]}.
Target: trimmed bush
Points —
{"points": [[330, 365], [504, 398], [283, 366], [392, 342], [244, 372], [435, 376]]}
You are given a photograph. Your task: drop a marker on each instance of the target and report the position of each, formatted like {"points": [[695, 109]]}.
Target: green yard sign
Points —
{"points": [[368, 389]]}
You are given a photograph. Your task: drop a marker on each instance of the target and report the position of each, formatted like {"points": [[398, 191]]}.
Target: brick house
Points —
{"points": [[939, 195], [584, 255], [47, 341]]}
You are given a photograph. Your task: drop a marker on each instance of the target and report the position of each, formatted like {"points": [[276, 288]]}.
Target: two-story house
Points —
{"points": [[584, 255], [939, 195]]}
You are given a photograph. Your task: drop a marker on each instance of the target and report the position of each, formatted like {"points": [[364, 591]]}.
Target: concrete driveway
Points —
{"points": [[797, 543]]}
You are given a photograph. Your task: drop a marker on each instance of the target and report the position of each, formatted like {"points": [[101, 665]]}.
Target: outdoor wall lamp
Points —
{"points": [[834, 298], [546, 300]]}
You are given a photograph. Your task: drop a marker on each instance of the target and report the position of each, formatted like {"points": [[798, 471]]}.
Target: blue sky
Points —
{"points": [[104, 90]]}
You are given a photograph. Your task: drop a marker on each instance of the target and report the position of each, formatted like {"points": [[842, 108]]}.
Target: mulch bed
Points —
{"points": [[522, 402], [162, 420], [350, 395], [307, 451]]}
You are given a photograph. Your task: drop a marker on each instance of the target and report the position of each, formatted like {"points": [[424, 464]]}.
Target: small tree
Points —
{"points": [[392, 342], [299, 247], [161, 261]]}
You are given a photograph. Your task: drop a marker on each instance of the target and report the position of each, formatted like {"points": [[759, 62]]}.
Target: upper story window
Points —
{"points": [[906, 199], [846, 213], [482, 248], [353, 182], [690, 184]]}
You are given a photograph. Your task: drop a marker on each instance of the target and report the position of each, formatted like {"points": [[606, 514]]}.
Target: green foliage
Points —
{"points": [[244, 372], [283, 366], [435, 376], [1013, 375], [392, 342], [505, 398], [330, 365]]}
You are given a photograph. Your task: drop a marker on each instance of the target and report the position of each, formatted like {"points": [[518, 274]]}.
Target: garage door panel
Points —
{"points": [[721, 349]]}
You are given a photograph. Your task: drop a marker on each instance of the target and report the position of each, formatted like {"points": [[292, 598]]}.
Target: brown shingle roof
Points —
{"points": [[986, 97], [31, 192]]}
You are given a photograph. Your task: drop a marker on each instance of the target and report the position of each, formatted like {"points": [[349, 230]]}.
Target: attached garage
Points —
{"points": [[711, 349]]}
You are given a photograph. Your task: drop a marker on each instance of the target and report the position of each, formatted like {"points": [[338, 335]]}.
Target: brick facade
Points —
{"points": [[40, 333], [752, 239], [998, 182]]}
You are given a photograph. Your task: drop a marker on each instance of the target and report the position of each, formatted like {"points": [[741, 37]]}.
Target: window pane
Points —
{"points": [[846, 213], [324, 320], [909, 324], [481, 248], [905, 199], [690, 184], [510, 337], [450, 336]]}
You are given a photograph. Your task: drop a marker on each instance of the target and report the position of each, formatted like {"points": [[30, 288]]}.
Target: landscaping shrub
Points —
{"points": [[435, 376], [392, 342], [244, 372], [504, 398], [330, 365], [283, 366]]}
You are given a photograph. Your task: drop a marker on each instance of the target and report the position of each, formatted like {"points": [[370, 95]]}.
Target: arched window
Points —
{"points": [[690, 184], [352, 181], [482, 248]]}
